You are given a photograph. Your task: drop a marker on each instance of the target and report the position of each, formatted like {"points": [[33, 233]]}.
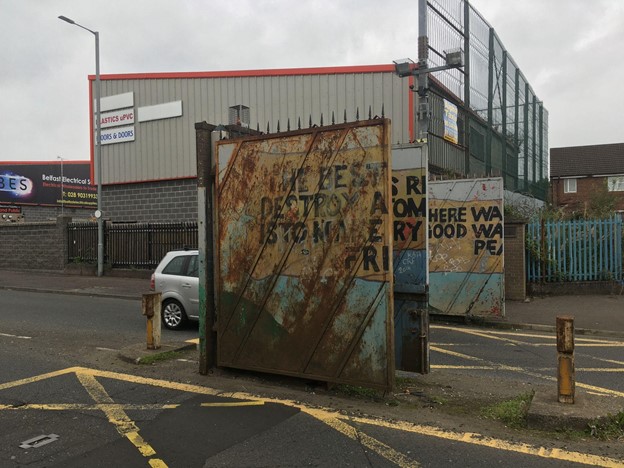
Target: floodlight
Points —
{"points": [[404, 67], [454, 58]]}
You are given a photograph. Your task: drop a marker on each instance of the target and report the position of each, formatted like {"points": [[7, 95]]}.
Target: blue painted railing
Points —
{"points": [[577, 250]]}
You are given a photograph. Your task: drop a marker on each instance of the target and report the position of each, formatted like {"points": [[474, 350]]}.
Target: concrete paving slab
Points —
{"points": [[546, 413]]}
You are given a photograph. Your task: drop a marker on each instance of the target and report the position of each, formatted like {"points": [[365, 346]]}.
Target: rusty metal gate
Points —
{"points": [[466, 261], [304, 254]]}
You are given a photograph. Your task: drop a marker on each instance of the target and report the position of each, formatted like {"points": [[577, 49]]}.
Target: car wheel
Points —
{"points": [[173, 314]]}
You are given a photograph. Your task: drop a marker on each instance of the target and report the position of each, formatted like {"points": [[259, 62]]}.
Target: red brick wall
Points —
{"points": [[585, 187]]}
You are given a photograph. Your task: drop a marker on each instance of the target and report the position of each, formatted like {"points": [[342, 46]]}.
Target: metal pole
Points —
{"points": [[423, 77], [467, 10], [97, 146], [62, 188], [98, 157]]}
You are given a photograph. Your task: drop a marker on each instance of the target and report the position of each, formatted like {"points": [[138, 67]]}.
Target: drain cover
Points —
{"points": [[38, 441]]}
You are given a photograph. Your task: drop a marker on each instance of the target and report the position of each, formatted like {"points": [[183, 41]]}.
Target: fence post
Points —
{"points": [[542, 267]]}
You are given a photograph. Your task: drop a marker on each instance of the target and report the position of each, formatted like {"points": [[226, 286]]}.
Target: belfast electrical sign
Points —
{"points": [[47, 183]]}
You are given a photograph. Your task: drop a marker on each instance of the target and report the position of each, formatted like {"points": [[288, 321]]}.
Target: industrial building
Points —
{"points": [[148, 128]]}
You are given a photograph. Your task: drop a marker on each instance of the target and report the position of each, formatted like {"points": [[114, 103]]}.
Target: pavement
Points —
{"points": [[593, 315]]}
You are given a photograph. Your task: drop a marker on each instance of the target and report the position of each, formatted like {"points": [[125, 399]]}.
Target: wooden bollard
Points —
{"points": [[565, 357], [150, 307]]}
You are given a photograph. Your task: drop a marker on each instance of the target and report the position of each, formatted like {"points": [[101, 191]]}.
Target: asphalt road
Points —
{"points": [[529, 355], [64, 403]]}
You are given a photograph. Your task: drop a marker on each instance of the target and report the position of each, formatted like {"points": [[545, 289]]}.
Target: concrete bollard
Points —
{"points": [[565, 350], [150, 307]]}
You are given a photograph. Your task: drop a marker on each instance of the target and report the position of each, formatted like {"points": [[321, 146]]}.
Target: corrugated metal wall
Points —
{"points": [[165, 149]]}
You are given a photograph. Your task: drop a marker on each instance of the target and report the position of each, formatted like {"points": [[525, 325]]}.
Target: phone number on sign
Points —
{"points": [[80, 195]]}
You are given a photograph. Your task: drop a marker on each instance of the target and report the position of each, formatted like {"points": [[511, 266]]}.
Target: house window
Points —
{"points": [[569, 185], [615, 184]]}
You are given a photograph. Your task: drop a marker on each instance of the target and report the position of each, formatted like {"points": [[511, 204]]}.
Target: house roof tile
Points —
{"points": [[587, 160]]}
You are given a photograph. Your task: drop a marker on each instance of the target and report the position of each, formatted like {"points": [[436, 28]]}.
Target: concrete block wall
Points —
{"points": [[515, 261], [159, 201], [37, 214], [34, 246]]}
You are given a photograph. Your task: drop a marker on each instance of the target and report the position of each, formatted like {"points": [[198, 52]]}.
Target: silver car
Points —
{"points": [[177, 278]]}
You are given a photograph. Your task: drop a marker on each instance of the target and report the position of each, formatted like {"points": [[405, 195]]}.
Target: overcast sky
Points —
{"points": [[567, 49]]}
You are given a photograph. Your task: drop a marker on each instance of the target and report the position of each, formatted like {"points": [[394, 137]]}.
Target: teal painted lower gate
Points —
{"points": [[576, 250]]}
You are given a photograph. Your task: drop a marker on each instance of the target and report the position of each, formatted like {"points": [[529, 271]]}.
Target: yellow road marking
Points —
{"points": [[454, 354], [116, 416], [610, 361], [233, 404], [157, 463], [373, 444], [37, 378], [336, 421], [579, 341], [478, 439], [87, 407], [441, 366], [604, 391]]}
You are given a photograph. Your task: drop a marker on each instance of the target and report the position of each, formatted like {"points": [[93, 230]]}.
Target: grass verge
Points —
{"points": [[154, 358], [358, 392], [511, 412], [610, 428]]}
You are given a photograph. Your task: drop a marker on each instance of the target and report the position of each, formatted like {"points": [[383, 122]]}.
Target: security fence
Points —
{"points": [[132, 245], [505, 125], [576, 250]]}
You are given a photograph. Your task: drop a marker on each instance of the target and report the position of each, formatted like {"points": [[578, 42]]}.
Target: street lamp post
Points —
{"points": [[97, 147], [62, 188]]}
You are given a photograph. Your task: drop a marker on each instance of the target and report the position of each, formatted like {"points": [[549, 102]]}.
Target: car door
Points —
{"points": [[191, 285]]}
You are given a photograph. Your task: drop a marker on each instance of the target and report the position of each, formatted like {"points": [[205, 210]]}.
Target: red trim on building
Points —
{"points": [[48, 162], [250, 73]]}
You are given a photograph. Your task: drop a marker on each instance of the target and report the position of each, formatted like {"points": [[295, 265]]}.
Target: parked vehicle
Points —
{"points": [[177, 278]]}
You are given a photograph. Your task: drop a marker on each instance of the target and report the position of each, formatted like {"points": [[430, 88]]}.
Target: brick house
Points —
{"points": [[577, 173]]}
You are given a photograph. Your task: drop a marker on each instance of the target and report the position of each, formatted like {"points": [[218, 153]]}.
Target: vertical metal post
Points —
{"points": [[150, 307], [97, 147], [565, 350], [423, 341], [490, 109], [98, 156], [62, 188], [205, 236], [504, 119], [534, 178], [526, 135], [541, 142], [423, 77], [467, 85], [517, 127]]}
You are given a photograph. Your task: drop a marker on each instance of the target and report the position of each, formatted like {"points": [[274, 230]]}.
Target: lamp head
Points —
{"points": [[66, 19]]}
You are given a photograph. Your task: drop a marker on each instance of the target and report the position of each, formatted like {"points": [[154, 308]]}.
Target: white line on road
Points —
{"points": [[16, 336]]}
